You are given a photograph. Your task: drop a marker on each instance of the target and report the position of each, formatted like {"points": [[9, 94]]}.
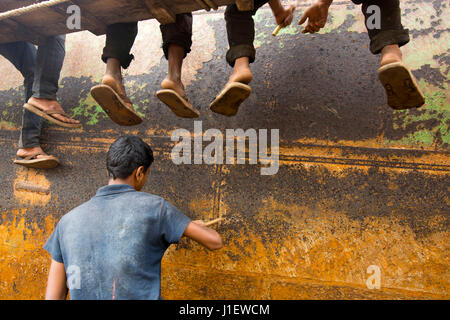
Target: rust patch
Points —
{"points": [[31, 187], [23, 262]]}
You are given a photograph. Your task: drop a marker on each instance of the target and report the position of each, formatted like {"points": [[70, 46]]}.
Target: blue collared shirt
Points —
{"points": [[112, 245]]}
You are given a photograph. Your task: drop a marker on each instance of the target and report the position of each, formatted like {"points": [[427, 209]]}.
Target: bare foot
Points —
{"points": [[241, 72], [26, 152], [391, 54], [51, 105], [174, 84]]}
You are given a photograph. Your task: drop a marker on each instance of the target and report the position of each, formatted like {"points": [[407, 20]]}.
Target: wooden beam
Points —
{"points": [[94, 25], [203, 5], [160, 12], [245, 5], [212, 4], [98, 26], [8, 34], [24, 32]]}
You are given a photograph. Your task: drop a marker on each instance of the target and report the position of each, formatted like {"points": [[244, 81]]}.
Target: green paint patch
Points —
{"points": [[424, 49], [431, 122], [265, 18], [89, 109], [337, 18]]}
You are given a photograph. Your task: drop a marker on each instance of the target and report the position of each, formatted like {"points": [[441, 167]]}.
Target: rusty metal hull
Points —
{"points": [[359, 184]]}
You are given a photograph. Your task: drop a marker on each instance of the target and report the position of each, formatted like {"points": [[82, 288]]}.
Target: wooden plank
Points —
{"points": [[98, 26], [162, 13], [211, 4], [9, 34], [96, 15], [245, 5], [22, 33], [203, 5], [88, 21]]}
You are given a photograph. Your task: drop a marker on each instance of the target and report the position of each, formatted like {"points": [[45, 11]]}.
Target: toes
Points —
{"points": [[66, 119]]}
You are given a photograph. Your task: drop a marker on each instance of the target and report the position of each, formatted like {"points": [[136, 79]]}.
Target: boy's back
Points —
{"points": [[112, 245]]}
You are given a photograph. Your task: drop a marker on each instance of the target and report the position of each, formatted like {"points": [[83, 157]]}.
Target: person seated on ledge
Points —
{"points": [[41, 70], [241, 35], [401, 87], [111, 246], [120, 37]]}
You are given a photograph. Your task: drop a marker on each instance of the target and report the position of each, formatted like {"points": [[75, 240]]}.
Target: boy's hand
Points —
{"points": [[284, 17], [317, 16]]}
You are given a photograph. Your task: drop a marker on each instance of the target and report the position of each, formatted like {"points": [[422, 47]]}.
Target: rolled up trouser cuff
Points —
{"points": [[178, 33], [178, 40], [119, 41], [125, 60], [239, 51], [388, 37]]}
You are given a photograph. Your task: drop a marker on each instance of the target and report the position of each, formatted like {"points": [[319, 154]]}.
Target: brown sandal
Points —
{"points": [[401, 87], [228, 101], [48, 114], [47, 162], [178, 104], [118, 107]]}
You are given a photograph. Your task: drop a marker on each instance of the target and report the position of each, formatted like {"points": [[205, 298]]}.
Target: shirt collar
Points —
{"points": [[113, 189]]}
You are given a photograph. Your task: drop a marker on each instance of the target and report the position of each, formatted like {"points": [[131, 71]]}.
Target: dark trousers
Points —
{"points": [[41, 69], [241, 28], [391, 31], [120, 38]]}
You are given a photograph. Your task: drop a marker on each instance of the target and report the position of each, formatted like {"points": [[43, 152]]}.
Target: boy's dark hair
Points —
{"points": [[127, 154]]}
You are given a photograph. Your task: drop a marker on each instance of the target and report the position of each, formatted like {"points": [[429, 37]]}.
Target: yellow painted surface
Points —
{"points": [[23, 261]]}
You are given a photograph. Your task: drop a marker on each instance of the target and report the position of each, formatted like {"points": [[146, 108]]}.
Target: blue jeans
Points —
{"points": [[41, 69]]}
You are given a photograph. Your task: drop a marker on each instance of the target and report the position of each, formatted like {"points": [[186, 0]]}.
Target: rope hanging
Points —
{"points": [[31, 8]]}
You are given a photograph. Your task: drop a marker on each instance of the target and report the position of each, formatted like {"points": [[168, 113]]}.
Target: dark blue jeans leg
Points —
{"points": [[49, 62], [23, 56]]}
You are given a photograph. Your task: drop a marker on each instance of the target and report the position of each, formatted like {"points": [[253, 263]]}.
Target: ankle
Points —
{"points": [[241, 63], [113, 68], [390, 54], [173, 78]]}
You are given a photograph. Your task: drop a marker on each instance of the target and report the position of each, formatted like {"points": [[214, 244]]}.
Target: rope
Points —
{"points": [[30, 8]]}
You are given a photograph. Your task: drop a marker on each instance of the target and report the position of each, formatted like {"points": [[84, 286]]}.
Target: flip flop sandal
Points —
{"points": [[48, 115], [117, 107], [48, 162], [178, 104], [401, 87], [228, 101]]}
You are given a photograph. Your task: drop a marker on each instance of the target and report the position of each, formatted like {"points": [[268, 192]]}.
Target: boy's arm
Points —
{"points": [[282, 16], [317, 16], [207, 237], [56, 285]]}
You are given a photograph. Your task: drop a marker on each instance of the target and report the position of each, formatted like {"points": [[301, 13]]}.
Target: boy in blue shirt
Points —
{"points": [[111, 246]]}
